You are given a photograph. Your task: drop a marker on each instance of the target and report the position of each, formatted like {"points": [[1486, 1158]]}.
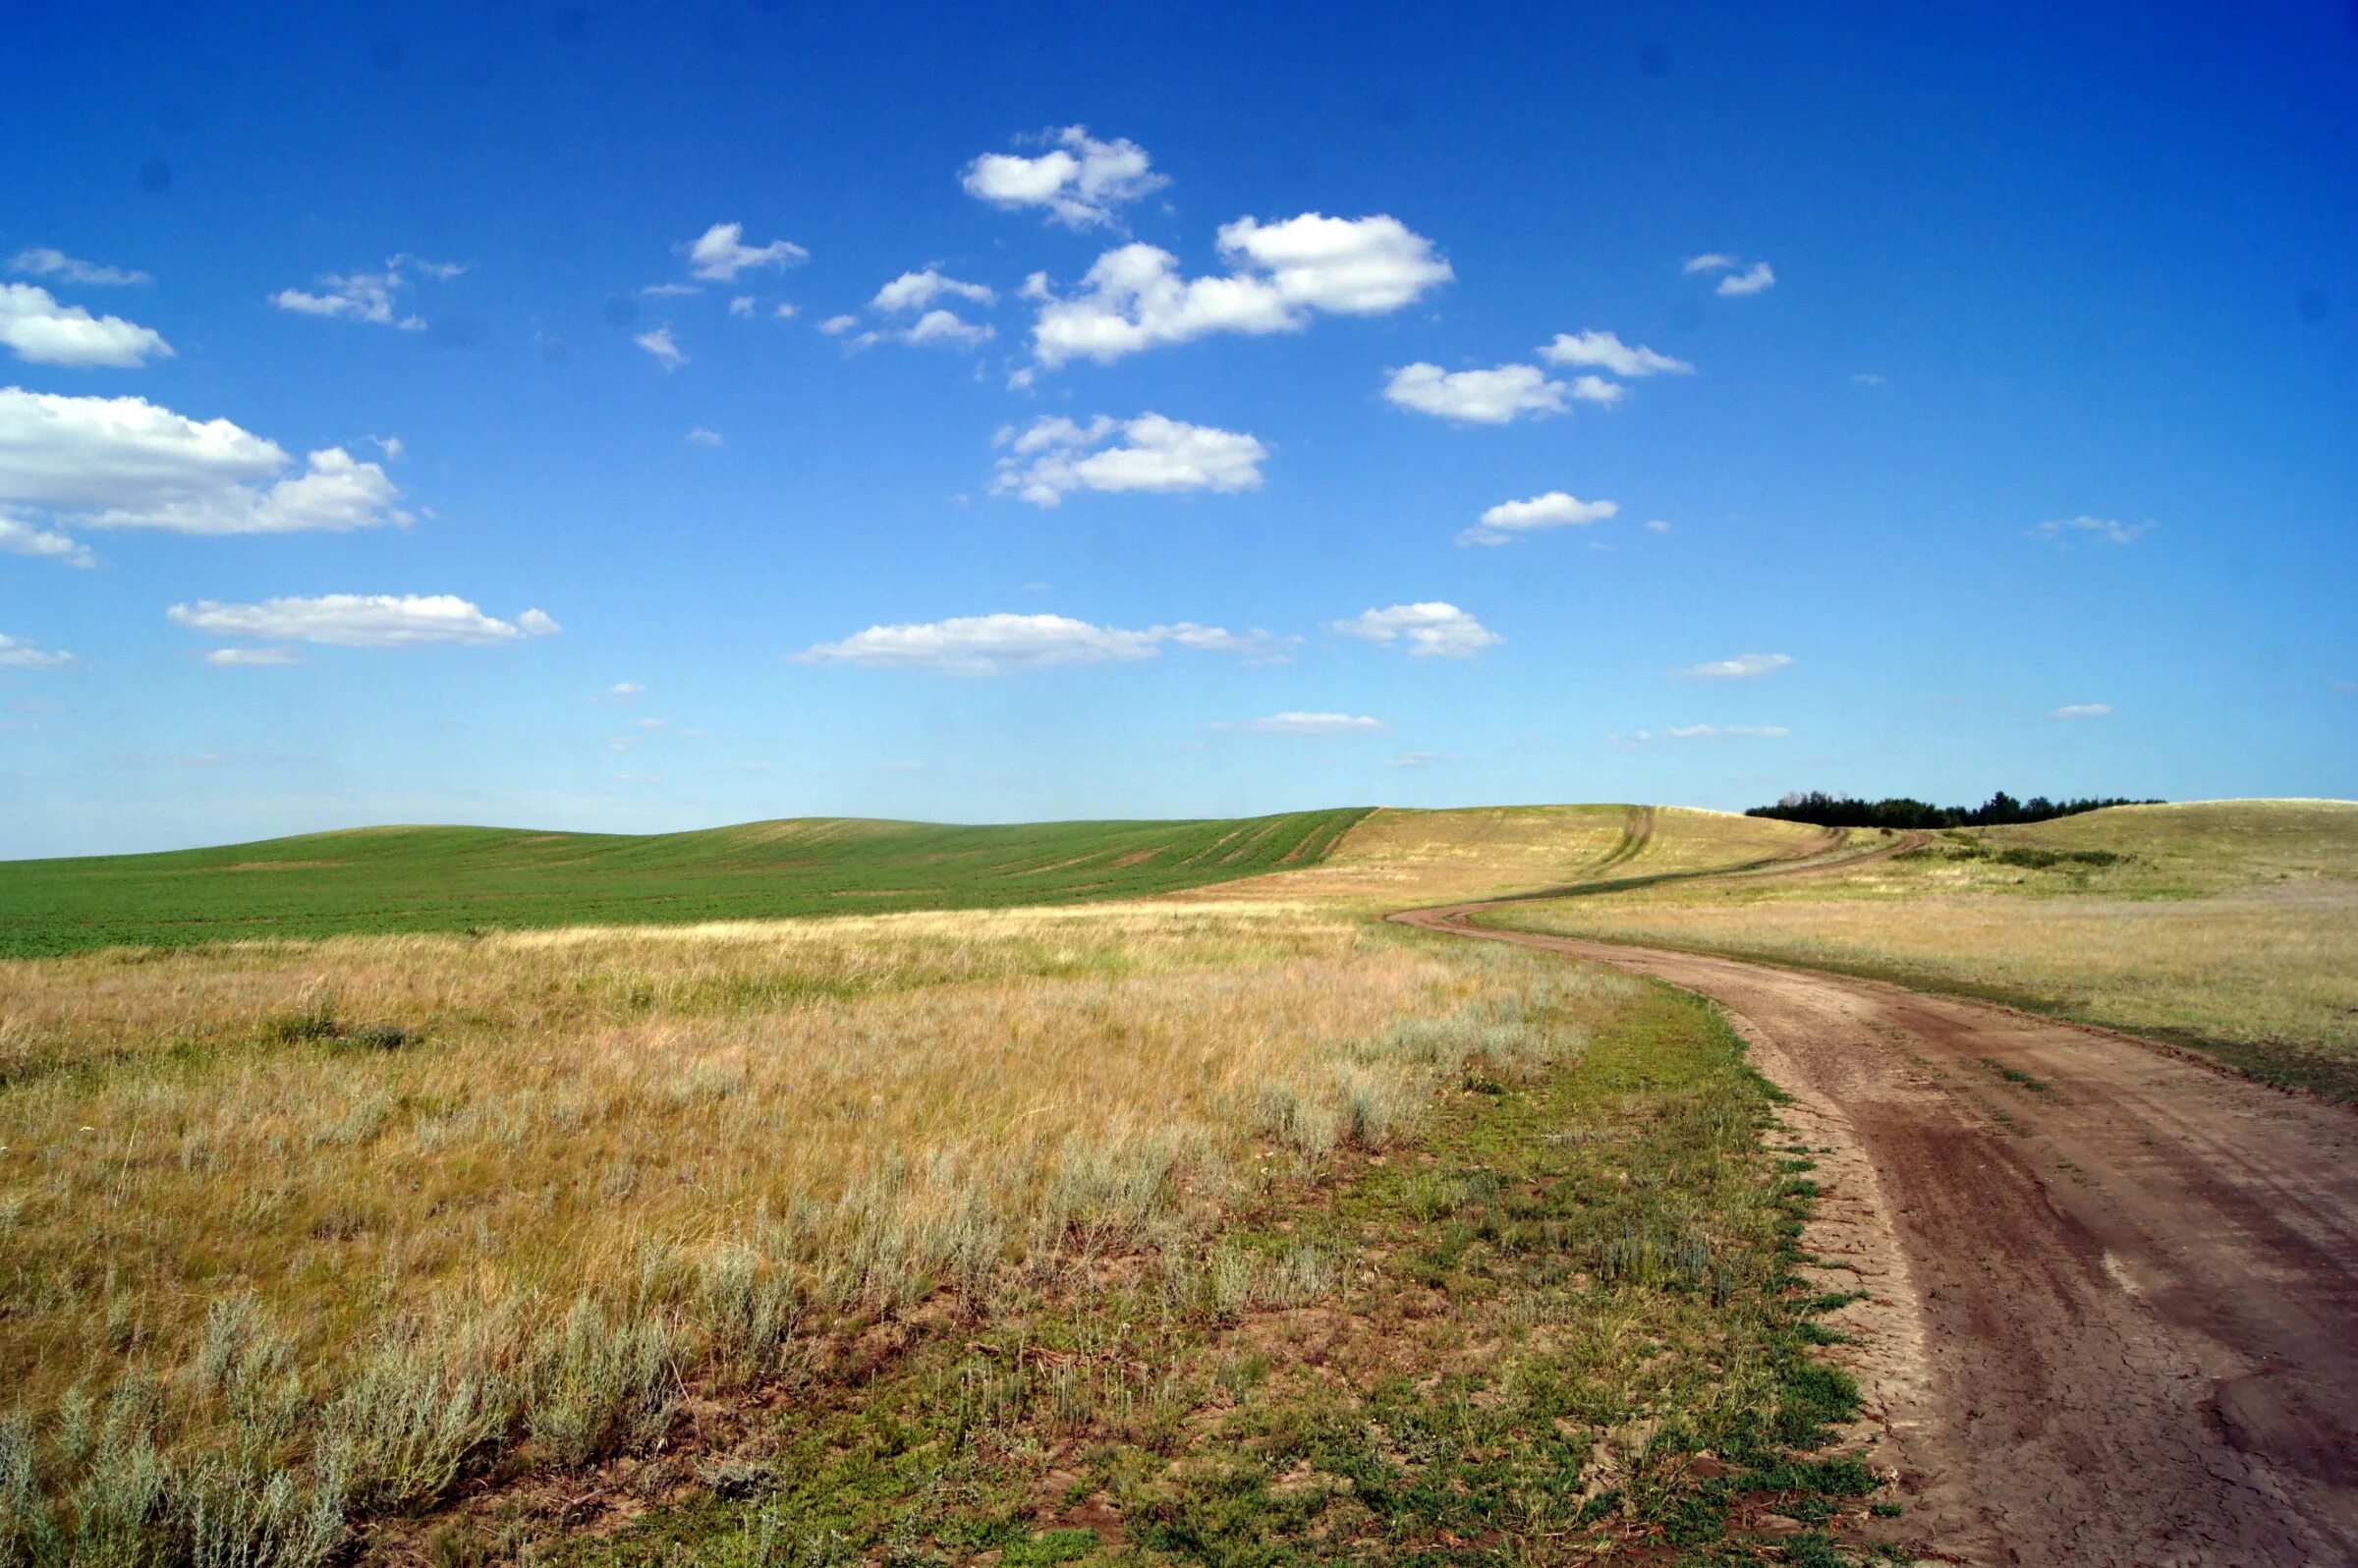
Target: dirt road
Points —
{"points": [[2116, 1289]]}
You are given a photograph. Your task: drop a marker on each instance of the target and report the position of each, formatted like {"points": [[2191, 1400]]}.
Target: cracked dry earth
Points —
{"points": [[2114, 1314]]}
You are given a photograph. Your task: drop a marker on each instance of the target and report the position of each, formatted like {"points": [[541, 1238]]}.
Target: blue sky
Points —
{"points": [[1975, 392]]}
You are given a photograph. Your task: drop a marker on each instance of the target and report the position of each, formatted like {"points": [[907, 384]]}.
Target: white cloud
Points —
{"points": [[620, 691], [1133, 298], [370, 297], [19, 537], [127, 463], [2103, 529], [659, 343], [786, 312], [914, 290], [1432, 629], [1319, 724], [1554, 510], [1079, 180], [699, 436], [1596, 389], [362, 620], [671, 290], [836, 325], [18, 654], [1481, 397], [254, 657], [1752, 280], [997, 645], [1421, 758], [1350, 267], [1606, 350], [1656, 526], [1054, 456], [720, 253], [1743, 667], [2082, 710], [1867, 378], [742, 305], [42, 331], [945, 327], [46, 262]]}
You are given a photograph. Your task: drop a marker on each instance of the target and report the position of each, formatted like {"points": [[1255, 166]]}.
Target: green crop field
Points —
{"points": [[389, 879]]}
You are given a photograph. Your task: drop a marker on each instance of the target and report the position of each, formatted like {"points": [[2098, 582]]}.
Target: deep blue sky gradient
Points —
{"points": [[2104, 258]]}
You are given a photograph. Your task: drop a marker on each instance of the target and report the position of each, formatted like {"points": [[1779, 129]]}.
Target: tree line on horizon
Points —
{"points": [[1821, 810]]}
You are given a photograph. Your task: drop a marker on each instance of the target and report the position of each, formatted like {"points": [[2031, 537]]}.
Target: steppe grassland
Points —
{"points": [[1395, 858], [2230, 925], [378, 1207]]}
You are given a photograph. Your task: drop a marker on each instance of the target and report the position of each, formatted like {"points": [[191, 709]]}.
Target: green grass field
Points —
{"points": [[394, 879]]}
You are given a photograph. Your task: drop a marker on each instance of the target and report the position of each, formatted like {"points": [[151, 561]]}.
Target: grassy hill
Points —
{"points": [[2228, 926], [457, 878]]}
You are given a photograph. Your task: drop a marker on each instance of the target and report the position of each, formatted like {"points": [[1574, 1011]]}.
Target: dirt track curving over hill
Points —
{"points": [[2116, 1317]]}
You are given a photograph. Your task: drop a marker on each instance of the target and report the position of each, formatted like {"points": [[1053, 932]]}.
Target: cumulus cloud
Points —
{"points": [[363, 619], [1604, 350], [1002, 644], [659, 342], [18, 654], [1596, 389], [371, 297], [945, 328], [699, 436], [19, 537], [620, 691], [720, 253], [252, 659], [1749, 280], [743, 305], [1479, 397], [127, 462], [1079, 182], [835, 326], [1053, 457], [1431, 630], [914, 290], [1318, 724], [1280, 275], [1656, 526], [1743, 667], [2082, 710], [1752, 280], [2098, 529], [46, 262], [36, 328], [1509, 519]]}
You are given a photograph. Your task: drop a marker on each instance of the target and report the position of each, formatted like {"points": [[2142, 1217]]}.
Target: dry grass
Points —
{"points": [[1395, 858], [2234, 923], [366, 1211]]}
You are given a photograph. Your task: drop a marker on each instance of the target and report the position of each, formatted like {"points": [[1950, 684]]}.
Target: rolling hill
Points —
{"points": [[396, 879]]}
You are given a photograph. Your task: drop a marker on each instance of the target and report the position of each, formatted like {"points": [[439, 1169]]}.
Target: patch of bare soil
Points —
{"points": [[2113, 1294]]}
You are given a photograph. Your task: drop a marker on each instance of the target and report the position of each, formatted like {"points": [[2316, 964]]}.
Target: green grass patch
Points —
{"points": [[395, 879], [1566, 1321]]}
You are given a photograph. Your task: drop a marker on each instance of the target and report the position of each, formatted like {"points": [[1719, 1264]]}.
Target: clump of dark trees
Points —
{"points": [[2002, 809]]}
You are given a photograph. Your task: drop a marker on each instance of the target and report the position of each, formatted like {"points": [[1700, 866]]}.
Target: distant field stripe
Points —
{"points": [[420, 879]]}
